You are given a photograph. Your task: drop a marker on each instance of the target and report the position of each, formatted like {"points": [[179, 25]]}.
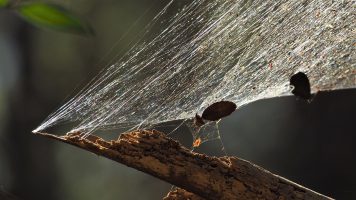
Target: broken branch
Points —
{"points": [[208, 177]]}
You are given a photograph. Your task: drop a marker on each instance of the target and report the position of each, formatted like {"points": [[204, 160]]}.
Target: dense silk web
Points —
{"points": [[213, 50]]}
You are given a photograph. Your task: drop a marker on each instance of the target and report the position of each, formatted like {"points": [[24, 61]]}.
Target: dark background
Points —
{"points": [[310, 143]]}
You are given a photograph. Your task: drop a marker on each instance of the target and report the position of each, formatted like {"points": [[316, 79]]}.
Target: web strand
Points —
{"points": [[239, 51]]}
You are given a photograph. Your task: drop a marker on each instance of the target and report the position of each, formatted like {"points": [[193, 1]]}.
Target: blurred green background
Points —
{"points": [[312, 144]]}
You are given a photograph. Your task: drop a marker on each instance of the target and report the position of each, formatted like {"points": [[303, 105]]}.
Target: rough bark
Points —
{"points": [[208, 177], [180, 194]]}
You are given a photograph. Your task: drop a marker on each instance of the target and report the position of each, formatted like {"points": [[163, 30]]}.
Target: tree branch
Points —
{"points": [[208, 177]]}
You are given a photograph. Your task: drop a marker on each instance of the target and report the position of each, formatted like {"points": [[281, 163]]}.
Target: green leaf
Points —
{"points": [[53, 17], [4, 3]]}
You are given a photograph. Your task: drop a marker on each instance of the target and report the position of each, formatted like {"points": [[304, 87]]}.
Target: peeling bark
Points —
{"points": [[180, 194], [203, 176]]}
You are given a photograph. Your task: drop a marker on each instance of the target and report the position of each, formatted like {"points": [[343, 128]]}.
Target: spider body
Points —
{"points": [[218, 110], [215, 112]]}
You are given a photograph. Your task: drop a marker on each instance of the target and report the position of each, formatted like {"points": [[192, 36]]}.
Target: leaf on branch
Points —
{"points": [[53, 17]]}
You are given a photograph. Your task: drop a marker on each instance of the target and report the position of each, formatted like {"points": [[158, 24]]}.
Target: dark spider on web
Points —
{"points": [[214, 112], [301, 85]]}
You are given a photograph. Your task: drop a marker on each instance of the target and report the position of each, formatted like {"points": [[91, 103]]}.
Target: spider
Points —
{"points": [[301, 85], [215, 112]]}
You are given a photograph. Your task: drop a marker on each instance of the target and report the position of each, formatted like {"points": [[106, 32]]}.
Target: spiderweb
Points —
{"points": [[234, 50]]}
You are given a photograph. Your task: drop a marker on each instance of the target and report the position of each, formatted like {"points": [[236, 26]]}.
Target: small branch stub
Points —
{"points": [[180, 194], [200, 176]]}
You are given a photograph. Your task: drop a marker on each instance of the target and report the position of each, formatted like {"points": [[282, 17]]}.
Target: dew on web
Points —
{"points": [[212, 51]]}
